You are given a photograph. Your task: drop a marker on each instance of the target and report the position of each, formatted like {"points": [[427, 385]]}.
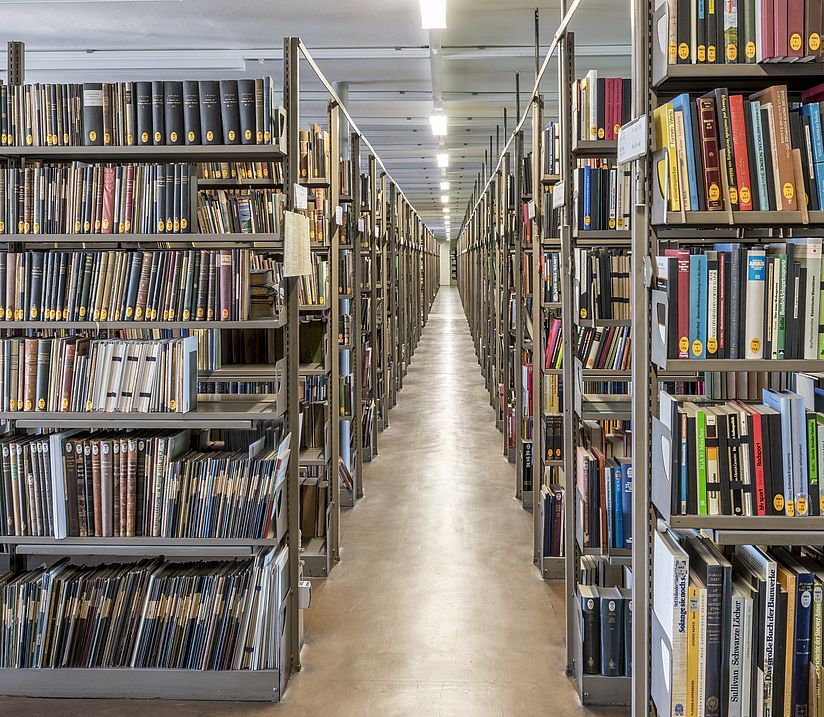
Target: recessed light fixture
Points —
{"points": [[439, 123], [444, 199], [443, 160], [446, 210], [444, 186], [433, 14]]}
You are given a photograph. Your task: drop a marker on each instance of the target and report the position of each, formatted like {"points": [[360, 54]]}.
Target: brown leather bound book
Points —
{"points": [[82, 497], [710, 160], [96, 481], [225, 285], [107, 492], [29, 374], [776, 97], [70, 478], [130, 453]]}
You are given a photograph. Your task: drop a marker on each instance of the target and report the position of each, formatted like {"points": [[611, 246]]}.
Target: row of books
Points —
{"points": [[551, 277], [314, 158], [553, 393], [554, 351], [554, 437], [746, 458], [600, 106], [231, 347], [80, 198], [241, 211], [170, 112], [241, 171], [743, 31], [313, 389], [139, 483], [728, 151], [606, 642], [602, 196], [112, 375], [743, 627], [218, 615], [122, 285], [604, 283], [236, 388], [314, 502], [551, 149], [604, 486], [552, 501], [313, 289], [608, 347], [737, 302]]}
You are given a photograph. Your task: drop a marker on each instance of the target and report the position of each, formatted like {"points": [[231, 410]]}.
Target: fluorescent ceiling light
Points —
{"points": [[443, 160], [446, 210], [444, 199], [433, 14], [439, 123], [444, 186]]}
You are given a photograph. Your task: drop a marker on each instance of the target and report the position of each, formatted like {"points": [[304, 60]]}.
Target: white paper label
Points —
{"points": [[301, 197], [297, 257], [530, 208], [632, 140], [558, 195], [360, 224], [339, 216]]}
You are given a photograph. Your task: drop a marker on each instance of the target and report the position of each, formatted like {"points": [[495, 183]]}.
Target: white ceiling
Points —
{"points": [[377, 46]]}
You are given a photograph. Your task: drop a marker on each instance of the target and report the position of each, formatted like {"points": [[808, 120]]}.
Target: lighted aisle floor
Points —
{"points": [[436, 608]]}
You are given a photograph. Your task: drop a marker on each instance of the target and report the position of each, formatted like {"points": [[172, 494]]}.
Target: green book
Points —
{"points": [[701, 454]]}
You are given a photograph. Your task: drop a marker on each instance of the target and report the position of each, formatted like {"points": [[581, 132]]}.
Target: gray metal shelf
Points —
{"points": [[273, 323], [594, 147]]}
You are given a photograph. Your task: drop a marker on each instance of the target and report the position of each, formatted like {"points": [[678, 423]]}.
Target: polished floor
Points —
{"points": [[436, 608]]}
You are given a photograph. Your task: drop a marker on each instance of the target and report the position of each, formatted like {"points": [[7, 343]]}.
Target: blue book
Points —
{"points": [[760, 169], [610, 498], [812, 112], [619, 506], [781, 403], [698, 306], [586, 182], [626, 499], [682, 104]]}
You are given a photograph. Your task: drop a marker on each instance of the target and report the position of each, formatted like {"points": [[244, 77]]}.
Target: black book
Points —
{"points": [[807, 161], [35, 307], [701, 33], [683, 34], [210, 127], [191, 111], [185, 199], [626, 599], [715, 20], [229, 111], [591, 612], [173, 112], [92, 114], [143, 100], [158, 113], [722, 430], [247, 110], [260, 110], [767, 149], [170, 197], [612, 632], [601, 111]]}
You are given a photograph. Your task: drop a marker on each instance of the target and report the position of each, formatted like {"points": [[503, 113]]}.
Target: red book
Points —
{"points": [[766, 42], [683, 318], [814, 94], [742, 160], [608, 122], [780, 27], [795, 28], [758, 446], [108, 200]]}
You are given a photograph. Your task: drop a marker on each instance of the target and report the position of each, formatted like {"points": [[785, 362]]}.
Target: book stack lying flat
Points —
{"points": [[81, 198], [746, 31], [733, 301], [600, 106], [113, 375], [741, 152], [122, 285], [743, 627], [149, 614], [191, 112]]}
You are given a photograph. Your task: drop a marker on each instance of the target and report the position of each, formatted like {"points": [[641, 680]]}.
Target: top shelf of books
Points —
{"points": [[161, 153]]}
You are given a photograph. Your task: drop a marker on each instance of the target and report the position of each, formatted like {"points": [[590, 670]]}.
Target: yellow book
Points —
{"points": [[663, 118]]}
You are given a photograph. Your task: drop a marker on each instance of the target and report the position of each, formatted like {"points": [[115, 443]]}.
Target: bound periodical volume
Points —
{"points": [[743, 628], [112, 375], [742, 31], [600, 106], [604, 286], [185, 285], [191, 112], [729, 151], [148, 614], [81, 198], [602, 196], [737, 302], [746, 458], [552, 501], [604, 486], [138, 483], [554, 437], [313, 289], [607, 630], [241, 171], [241, 211]]}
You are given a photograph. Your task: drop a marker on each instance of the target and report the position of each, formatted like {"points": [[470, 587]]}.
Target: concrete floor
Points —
{"points": [[436, 608]]}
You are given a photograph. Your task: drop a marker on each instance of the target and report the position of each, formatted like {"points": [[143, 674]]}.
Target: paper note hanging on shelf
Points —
{"points": [[360, 224], [531, 209], [558, 195], [301, 197], [297, 257], [632, 140], [339, 215]]}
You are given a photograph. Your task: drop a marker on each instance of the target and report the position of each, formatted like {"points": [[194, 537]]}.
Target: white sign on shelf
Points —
{"points": [[531, 209], [558, 195], [297, 256], [339, 215], [301, 197], [360, 224], [632, 140]]}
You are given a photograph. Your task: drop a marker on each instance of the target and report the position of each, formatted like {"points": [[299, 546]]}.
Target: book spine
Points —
{"points": [[710, 154]]}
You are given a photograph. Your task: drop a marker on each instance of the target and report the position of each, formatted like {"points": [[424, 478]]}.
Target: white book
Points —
{"points": [[592, 122], [702, 647], [754, 302], [100, 381], [808, 253], [118, 360], [670, 581], [150, 354], [776, 301]]}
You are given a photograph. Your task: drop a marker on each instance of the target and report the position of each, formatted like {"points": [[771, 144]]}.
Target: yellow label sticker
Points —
{"points": [[105, 223], [612, 224], [732, 52], [231, 135], [749, 50], [184, 224], [683, 51], [144, 137], [259, 137], [789, 190], [158, 136], [712, 345], [790, 508], [715, 192], [82, 311], [210, 135], [191, 136], [267, 135], [172, 404], [107, 138], [712, 54], [755, 345], [185, 314], [601, 133], [65, 138], [745, 195], [225, 313], [64, 404], [702, 53], [697, 348], [733, 195], [173, 136], [161, 225], [814, 41], [28, 404], [673, 51], [41, 404], [138, 312], [778, 502], [583, 313], [200, 312], [801, 506], [34, 312], [248, 134], [587, 220], [92, 135], [796, 43]]}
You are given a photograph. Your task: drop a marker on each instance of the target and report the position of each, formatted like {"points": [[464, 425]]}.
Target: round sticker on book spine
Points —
{"points": [[248, 134], [683, 51], [814, 42], [184, 224], [749, 50], [714, 193], [583, 313], [601, 133], [231, 135], [673, 51], [732, 53], [733, 195], [173, 136], [41, 404], [697, 348], [755, 345], [745, 195], [790, 509], [28, 404], [64, 404], [702, 53], [801, 505], [144, 137], [796, 43], [158, 136], [712, 345], [210, 135], [789, 190], [172, 404], [107, 138]]}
